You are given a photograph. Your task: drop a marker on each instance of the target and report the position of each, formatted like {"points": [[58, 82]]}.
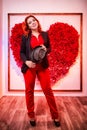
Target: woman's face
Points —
{"points": [[32, 23]]}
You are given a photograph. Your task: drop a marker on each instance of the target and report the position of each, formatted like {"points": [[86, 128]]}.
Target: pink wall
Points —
{"points": [[0, 48], [46, 6]]}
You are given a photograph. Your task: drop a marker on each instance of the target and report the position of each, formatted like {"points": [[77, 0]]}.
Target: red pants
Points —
{"points": [[43, 76]]}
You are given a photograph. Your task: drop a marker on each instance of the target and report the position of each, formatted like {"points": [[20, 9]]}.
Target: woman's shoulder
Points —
{"points": [[26, 36], [44, 33]]}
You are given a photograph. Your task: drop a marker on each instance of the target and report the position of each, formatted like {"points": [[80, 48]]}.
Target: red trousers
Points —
{"points": [[44, 78]]}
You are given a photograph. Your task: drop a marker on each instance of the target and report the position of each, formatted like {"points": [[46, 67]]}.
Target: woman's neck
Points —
{"points": [[35, 33]]}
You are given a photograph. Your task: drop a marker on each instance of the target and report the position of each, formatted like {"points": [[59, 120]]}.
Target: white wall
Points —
{"points": [[45, 6]]}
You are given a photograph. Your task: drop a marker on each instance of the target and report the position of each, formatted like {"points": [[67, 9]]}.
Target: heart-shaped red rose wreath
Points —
{"points": [[64, 40]]}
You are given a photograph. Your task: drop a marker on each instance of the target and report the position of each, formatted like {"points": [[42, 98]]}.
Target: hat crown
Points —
{"points": [[38, 54]]}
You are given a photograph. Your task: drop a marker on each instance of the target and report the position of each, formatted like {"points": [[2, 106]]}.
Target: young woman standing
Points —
{"points": [[36, 37]]}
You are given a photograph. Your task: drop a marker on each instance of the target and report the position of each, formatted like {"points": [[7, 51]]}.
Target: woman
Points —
{"points": [[33, 38]]}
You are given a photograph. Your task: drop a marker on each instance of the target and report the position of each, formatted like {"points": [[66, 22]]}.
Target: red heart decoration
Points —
{"points": [[64, 41]]}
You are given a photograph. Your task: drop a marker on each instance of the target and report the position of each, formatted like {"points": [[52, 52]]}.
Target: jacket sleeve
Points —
{"points": [[23, 49], [48, 46], [46, 41]]}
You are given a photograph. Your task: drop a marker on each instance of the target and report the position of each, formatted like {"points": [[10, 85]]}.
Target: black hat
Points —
{"points": [[38, 54]]}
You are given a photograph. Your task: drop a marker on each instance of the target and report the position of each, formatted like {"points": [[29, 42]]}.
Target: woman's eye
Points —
{"points": [[34, 20], [28, 22]]}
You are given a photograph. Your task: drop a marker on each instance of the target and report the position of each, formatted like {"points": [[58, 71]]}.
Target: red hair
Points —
{"points": [[26, 27]]}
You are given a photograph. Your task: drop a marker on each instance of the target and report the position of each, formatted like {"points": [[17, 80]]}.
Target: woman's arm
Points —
{"points": [[48, 46], [29, 63], [23, 49], [46, 41]]}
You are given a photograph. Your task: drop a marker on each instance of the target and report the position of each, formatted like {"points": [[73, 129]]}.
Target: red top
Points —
{"points": [[36, 41]]}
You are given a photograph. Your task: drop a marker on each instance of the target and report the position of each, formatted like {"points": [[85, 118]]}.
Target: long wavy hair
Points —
{"points": [[26, 27]]}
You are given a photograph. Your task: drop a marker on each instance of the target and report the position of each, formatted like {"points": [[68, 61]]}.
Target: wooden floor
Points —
{"points": [[13, 113]]}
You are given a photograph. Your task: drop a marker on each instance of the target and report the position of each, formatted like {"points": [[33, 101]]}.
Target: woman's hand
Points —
{"points": [[43, 47], [30, 64]]}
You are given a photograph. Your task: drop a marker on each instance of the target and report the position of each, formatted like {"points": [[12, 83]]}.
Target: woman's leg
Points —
{"points": [[29, 78], [44, 79]]}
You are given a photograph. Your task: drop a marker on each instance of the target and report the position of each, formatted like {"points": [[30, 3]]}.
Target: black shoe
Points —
{"points": [[33, 122], [57, 123]]}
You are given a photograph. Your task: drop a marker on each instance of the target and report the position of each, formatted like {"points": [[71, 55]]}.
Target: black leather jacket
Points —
{"points": [[25, 51]]}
